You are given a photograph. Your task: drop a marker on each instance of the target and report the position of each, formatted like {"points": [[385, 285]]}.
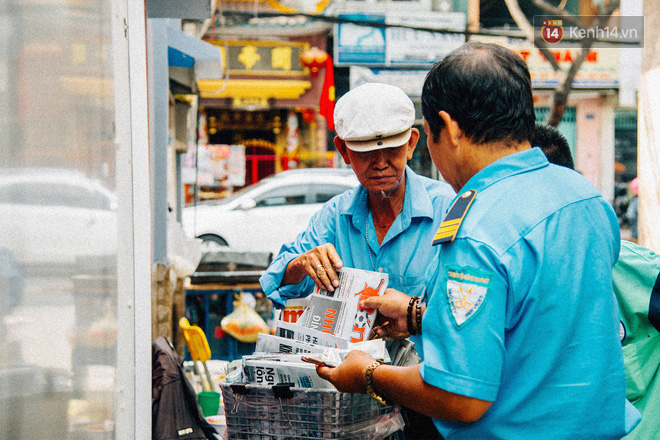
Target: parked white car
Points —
{"points": [[264, 216], [51, 216]]}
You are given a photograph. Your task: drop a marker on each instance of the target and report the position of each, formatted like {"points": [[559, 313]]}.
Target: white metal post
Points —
{"points": [[133, 377]]}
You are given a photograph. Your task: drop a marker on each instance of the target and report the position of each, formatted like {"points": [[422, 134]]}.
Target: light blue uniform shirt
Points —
{"points": [[404, 253], [521, 309]]}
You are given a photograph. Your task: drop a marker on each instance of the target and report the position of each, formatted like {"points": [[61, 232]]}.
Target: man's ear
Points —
{"points": [[453, 129], [340, 145], [412, 143]]}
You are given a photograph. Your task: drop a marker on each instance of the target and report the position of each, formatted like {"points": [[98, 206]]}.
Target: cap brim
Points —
{"points": [[376, 144]]}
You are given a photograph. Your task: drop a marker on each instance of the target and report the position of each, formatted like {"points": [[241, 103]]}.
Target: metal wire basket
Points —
{"points": [[286, 412]]}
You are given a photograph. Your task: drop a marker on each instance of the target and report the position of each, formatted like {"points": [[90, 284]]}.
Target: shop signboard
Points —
{"points": [[397, 39], [263, 57], [217, 165], [408, 80], [600, 70], [227, 164]]}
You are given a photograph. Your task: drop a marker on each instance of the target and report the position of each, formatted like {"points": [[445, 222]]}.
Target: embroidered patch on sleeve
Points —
{"points": [[466, 292]]}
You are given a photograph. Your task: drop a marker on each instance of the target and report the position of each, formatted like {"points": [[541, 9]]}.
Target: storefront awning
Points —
{"points": [[191, 59], [251, 89]]}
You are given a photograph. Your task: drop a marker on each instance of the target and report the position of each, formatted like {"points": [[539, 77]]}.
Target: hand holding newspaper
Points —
{"points": [[322, 329], [338, 313]]}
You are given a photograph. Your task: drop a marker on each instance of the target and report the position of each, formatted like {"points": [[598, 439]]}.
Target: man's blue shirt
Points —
{"points": [[521, 310], [345, 222]]}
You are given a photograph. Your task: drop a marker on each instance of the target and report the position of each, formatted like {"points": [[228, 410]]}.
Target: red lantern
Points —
{"points": [[314, 59], [307, 114]]}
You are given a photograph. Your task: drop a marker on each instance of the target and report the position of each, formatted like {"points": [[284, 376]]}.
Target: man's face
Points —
{"points": [[380, 170]]}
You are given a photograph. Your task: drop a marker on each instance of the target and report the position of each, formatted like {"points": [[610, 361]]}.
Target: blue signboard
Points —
{"points": [[401, 40], [356, 44]]}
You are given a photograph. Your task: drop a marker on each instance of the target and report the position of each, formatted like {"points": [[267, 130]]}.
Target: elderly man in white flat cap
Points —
{"points": [[387, 223]]}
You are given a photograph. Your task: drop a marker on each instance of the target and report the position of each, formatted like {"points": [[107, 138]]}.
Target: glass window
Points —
{"points": [[58, 322], [288, 195], [48, 194], [326, 192], [10, 194], [58, 195]]}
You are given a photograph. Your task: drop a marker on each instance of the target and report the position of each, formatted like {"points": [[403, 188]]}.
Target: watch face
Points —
{"points": [[622, 331]]}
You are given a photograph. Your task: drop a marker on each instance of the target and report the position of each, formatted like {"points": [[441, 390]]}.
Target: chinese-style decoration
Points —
{"points": [[327, 103], [314, 59], [306, 113], [292, 131]]}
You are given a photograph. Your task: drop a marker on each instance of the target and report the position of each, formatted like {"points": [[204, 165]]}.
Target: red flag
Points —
{"points": [[327, 103]]}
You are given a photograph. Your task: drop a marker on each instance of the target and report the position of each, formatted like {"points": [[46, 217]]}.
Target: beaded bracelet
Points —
{"points": [[419, 316], [409, 317]]}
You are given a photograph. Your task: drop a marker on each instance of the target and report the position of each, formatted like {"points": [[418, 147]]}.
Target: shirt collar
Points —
{"points": [[517, 163], [416, 203]]}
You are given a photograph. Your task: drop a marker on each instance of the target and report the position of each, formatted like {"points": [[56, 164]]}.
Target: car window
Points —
{"points": [[53, 195], [281, 200], [326, 192], [284, 196], [7, 194], [97, 200], [26, 194]]}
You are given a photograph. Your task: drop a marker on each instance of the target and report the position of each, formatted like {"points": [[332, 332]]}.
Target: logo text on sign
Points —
{"points": [[552, 31]]}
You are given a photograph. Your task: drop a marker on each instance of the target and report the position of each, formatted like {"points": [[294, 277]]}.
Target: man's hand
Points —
{"points": [[319, 263], [348, 377], [393, 308], [405, 386]]}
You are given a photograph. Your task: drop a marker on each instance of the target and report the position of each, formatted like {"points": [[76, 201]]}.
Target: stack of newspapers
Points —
{"points": [[324, 326]]}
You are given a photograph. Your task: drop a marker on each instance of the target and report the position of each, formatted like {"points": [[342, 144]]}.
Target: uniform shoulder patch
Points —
{"points": [[452, 222], [466, 292]]}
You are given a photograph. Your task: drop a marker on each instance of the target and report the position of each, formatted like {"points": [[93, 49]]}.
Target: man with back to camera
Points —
{"points": [[520, 330], [553, 144], [385, 224]]}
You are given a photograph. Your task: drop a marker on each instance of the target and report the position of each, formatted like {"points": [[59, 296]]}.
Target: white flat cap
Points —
{"points": [[374, 116]]}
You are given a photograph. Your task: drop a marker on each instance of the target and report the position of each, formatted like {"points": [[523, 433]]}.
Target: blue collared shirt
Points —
{"points": [[521, 310], [345, 221]]}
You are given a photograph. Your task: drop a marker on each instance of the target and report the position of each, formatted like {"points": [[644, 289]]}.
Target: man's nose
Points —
{"points": [[380, 159]]}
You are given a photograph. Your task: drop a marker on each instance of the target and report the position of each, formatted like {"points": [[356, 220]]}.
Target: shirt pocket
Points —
{"points": [[641, 359]]}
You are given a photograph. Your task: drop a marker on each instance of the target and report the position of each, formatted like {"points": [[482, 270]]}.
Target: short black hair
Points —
{"points": [[486, 88], [554, 144]]}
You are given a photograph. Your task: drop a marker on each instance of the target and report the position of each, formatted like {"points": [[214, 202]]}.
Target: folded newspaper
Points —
{"points": [[325, 325], [276, 344], [272, 369], [338, 313], [269, 344], [293, 308], [307, 335]]}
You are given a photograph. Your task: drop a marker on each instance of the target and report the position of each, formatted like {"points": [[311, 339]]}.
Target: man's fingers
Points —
{"points": [[323, 262], [380, 330], [332, 263], [333, 256], [324, 372], [321, 277], [373, 302]]}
